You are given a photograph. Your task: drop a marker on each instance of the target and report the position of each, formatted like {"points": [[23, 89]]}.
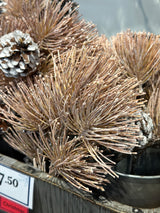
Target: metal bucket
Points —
{"points": [[141, 189]]}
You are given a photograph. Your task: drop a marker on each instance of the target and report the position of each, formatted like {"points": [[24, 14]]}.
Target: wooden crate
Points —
{"points": [[53, 195]]}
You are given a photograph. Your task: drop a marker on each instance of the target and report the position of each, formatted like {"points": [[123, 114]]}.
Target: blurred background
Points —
{"points": [[113, 16]]}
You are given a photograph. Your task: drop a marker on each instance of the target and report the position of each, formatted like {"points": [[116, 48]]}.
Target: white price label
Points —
{"points": [[16, 186]]}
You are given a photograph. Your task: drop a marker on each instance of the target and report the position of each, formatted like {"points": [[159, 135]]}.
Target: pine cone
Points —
{"points": [[19, 55], [146, 128], [2, 7]]}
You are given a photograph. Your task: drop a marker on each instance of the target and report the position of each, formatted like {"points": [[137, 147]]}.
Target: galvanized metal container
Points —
{"points": [[141, 189]]}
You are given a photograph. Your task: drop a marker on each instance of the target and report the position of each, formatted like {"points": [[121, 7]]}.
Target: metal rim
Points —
{"points": [[138, 176]]}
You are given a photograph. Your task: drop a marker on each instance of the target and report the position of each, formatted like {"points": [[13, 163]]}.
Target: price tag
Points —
{"points": [[16, 186]]}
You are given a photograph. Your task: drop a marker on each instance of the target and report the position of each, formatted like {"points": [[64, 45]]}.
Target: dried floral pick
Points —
{"points": [[138, 53]]}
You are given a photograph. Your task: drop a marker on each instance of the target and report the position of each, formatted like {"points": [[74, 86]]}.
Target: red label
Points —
{"points": [[11, 207]]}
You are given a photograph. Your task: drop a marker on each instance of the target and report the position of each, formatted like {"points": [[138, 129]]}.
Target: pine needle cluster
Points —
{"points": [[84, 103], [53, 26], [138, 53], [80, 110]]}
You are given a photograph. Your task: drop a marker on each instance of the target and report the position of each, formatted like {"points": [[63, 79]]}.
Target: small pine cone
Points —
{"points": [[19, 55], [2, 7], [146, 128]]}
